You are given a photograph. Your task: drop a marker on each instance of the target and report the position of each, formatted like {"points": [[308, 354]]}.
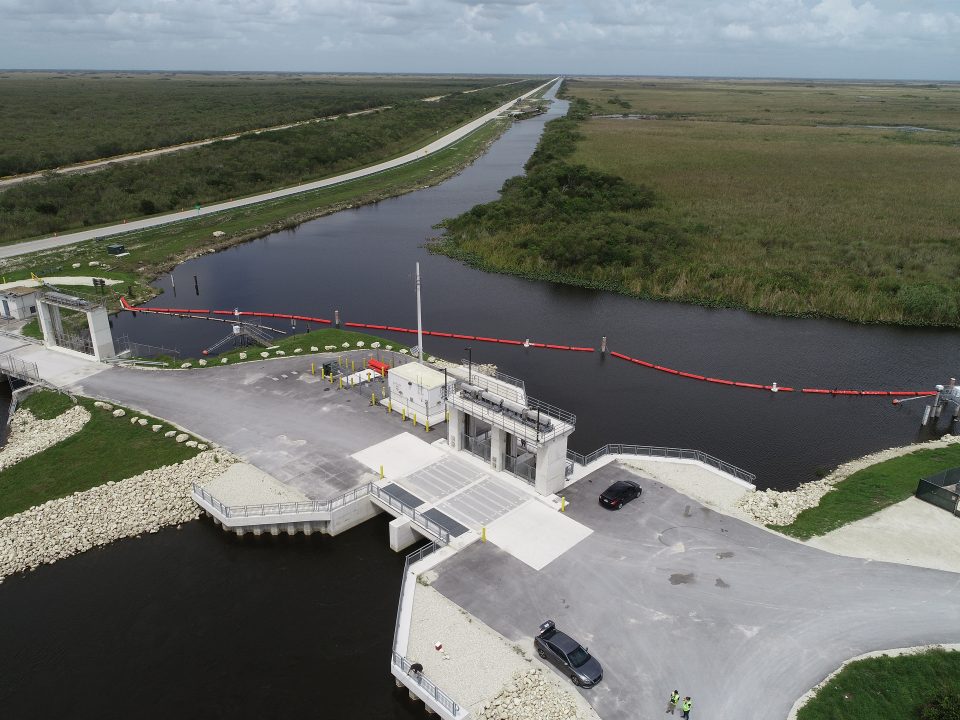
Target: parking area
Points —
{"points": [[278, 416], [669, 594]]}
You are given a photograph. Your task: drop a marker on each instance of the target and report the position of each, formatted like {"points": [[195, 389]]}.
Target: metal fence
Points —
{"points": [[662, 452], [398, 659], [288, 508], [14, 366], [941, 490], [142, 350], [432, 527], [308, 507]]}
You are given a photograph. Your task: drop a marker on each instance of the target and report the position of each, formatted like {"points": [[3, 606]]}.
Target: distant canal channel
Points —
{"points": [[361, 262]]}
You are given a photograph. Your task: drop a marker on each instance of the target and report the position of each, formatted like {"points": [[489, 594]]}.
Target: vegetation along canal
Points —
{"points": [[201, 614], [361, 262]]}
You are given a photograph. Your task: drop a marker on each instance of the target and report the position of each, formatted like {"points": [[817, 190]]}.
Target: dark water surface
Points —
{"points": [[362, 262], [196, 623]]}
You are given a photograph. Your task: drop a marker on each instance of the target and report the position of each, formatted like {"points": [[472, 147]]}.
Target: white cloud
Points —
{"points": [[915, 38]]}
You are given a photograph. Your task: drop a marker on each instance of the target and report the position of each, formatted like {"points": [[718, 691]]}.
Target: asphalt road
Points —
{"points": [[48, 243], [668, 594], [297, 427]]}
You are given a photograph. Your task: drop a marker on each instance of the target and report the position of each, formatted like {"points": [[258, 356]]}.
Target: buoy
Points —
{"points": [[526, 343], [774, 388]]}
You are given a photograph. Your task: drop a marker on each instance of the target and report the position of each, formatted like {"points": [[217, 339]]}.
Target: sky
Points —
{"points": [[884, 39]]}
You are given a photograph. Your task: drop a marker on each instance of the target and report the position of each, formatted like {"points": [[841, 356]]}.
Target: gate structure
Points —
{"points": [[95, 338]]}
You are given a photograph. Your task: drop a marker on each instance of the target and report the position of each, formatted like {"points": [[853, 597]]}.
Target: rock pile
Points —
{"points": [[772, 507], [141, 504], [530, 696], [29, 436]]}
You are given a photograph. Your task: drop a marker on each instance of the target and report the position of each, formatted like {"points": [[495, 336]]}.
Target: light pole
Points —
{"points": [[469, 364]]}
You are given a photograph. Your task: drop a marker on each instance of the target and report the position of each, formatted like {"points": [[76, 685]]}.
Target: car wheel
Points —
{"points": [[575, 680], [541, 653]]}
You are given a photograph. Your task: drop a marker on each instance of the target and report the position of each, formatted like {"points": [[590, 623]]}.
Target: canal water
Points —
{"points": [[361, 262], [194, 622]]}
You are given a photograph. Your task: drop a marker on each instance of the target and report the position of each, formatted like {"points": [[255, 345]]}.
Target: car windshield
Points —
{"points": [[578, 656]]}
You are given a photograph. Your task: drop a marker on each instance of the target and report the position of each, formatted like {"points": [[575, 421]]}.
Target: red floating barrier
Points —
{"points": [[441, 334], [661, 368], [353, 324], [620, 355], [691, 376], [583, 349], [719, 381], [749, 385], [462, 337], [485, 339], [509, 342]]}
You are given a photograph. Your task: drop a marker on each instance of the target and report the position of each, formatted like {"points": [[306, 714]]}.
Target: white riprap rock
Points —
{"points": [[29, 436]]}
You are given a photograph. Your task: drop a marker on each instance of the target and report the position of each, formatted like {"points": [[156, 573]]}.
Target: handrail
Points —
{"points": [[665, 452], [398, 659], [307, 507]]}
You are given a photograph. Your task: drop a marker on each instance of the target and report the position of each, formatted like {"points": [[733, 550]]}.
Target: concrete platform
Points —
{"points": [[272, 413], [668, 593], [56, 368], [536, 534]]}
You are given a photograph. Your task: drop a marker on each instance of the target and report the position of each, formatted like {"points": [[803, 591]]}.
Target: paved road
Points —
{"points": [[48, 243], [669, 594], [296, 427]]}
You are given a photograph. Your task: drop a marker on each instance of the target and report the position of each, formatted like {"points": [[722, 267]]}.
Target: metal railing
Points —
{"points": [[143, 350], [78, 343], [23, 369], [551, 410], [511, 424], [305, 507], [398, 659], [431, 526], [662, 452], [941, 490], [311, 507]]}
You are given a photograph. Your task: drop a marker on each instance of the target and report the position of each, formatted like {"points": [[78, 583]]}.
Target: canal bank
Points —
{"points": [[353, 260]]}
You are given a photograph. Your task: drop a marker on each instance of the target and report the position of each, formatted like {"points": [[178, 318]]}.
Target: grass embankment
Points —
{"points": [[321, 338], [107, 448], [870, 490], [909, 687], [750, 203], [251, 164], [78, 116], [157, 250]]}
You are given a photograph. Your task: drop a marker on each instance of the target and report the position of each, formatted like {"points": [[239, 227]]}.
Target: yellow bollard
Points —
{"points": [[446, 415], [563, 504], [414, 418], [353, 366], [404, 414], [373, 398], [390, 405], [341, 382], [381, 472], [427, 425], [313, 369], [483, 533]]}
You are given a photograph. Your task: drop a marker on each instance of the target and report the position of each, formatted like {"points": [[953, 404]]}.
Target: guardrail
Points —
{"points": [[23, 369], [398, 660], [431, 526], [311, 507], [664, 452]]}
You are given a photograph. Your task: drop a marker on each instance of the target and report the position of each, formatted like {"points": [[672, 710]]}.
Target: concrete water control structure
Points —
{"points": [[95, 339]]}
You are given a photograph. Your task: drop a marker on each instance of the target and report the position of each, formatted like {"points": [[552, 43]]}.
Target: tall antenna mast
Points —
{"points": [[419, 319]]}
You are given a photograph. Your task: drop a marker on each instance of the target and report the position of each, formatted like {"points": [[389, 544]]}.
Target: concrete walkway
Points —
{"points": [[670, 594], [450, 138], [57, 368]]}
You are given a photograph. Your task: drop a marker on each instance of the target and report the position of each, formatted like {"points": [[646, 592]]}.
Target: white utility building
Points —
{"points": [[418, 389], [19, 303]]}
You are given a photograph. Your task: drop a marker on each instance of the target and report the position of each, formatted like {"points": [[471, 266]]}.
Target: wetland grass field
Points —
{"points": [[776, 197]]}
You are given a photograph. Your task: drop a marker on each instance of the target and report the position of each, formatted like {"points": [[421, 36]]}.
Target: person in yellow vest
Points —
{"points": [[672, 705], [687, 704]]}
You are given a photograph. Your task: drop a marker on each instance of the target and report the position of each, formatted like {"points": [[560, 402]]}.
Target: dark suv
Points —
{"points": [[567, 654]]}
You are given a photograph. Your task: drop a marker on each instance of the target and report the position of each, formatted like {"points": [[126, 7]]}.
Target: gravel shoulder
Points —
{"points": [[482, 670], [244, 484]]}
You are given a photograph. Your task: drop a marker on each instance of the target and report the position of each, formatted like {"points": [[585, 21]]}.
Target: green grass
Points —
{"points": [[107, 448], [47, 405], [870, 490], [317, 338], [159, 249], [888, 688], [742, 207]]}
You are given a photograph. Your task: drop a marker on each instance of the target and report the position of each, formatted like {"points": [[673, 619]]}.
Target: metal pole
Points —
{"points": [[469, 364], [419, 318]]}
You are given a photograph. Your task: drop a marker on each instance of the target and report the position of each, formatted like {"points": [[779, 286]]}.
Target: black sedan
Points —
{"points": [[567, 654], [619, 494]]}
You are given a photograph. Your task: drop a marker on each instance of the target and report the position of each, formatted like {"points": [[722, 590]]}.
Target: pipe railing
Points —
{"points": [[310, 507], [662, 452], [398, 659]]}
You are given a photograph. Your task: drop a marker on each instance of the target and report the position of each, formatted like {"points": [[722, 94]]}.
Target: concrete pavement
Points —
{"points": [[450, 138], [670, 594]]}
